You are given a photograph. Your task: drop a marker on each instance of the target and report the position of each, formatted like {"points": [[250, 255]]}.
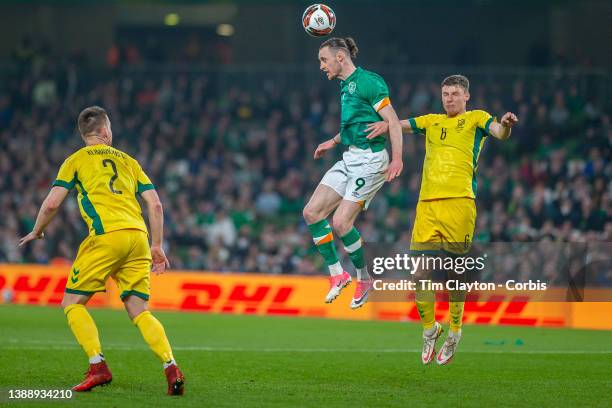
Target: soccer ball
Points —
{"points": [[319, 20]]}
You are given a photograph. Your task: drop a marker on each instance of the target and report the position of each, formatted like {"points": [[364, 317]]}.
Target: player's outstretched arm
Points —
{"points": [[47, 211], [395, 136], [380, 128], [327, 145], [503, 129], [156, 223]]}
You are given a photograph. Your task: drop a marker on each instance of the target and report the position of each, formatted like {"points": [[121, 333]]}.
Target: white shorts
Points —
{"points": [[359, 175]]}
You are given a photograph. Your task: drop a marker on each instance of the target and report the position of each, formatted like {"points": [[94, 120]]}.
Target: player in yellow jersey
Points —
{"points": [[446, 212], [107, 182]]}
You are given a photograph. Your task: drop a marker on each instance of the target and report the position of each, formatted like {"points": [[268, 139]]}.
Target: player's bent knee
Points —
{"points": [[135, 312], [135, 306], [341, 225], [72, 299], [65, 303], [311, 216]]}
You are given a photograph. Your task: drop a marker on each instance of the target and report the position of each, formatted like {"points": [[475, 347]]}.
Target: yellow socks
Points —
{"points": [[456, 315], [86, 332], [428, 318], [84, 329], [425, 302], [153, 333], [426, 311]]}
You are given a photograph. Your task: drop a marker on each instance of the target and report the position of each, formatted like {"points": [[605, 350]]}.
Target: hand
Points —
{"points": [[394, 169], [160, 262], [377, 129], [323, 147], [30, 237], [509, 120]]}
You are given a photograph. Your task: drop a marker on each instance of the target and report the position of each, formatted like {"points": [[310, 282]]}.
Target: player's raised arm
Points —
{"points": [[47, 211], [380, 128], [503, 129], [395, 136], [156, 223]]}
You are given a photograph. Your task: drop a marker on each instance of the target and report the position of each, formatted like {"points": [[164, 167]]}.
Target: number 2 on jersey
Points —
{"points": [[114, 177]]}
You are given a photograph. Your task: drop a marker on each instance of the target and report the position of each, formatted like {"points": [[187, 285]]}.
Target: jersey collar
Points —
{"points": [[352, 76]]}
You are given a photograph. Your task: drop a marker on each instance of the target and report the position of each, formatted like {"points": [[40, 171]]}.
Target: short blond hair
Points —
{"points": [[91, 119], [458, 80]]}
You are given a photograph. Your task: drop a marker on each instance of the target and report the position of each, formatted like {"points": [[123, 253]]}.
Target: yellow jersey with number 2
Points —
{"points": [[107, 182]]}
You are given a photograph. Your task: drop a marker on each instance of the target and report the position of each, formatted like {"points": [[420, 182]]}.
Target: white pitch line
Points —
{"points": [[46, 345]]}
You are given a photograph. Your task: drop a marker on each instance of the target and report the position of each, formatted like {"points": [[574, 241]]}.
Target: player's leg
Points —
{"points": [[366, 175], [449, 347], [86, 333], [457, 220], [344, 225], [87, 277], [324, 200], [82, 325], [133, 279], [425, 302], [154, 335], [151, 329], [426, 240]]}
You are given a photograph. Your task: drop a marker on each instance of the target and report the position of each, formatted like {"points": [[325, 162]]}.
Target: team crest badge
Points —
{"points": [[460, 124], [352, 87]]}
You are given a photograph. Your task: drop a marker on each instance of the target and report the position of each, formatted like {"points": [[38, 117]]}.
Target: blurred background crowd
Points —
{"points": [[231, 156]]}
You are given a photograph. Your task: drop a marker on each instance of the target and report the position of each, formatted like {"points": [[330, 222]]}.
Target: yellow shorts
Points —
{"points": [[124, 255], [445, 224]]}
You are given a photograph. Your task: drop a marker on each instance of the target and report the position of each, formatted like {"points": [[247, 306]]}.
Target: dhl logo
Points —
{"points": [[280, 297], [207, 297]]}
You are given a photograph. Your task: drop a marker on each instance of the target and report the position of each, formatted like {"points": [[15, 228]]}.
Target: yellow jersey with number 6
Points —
{"points": [[453, 146], [107, 182]]}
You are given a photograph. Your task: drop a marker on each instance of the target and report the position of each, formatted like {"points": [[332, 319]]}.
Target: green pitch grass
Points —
{"points": [[249, 361]]}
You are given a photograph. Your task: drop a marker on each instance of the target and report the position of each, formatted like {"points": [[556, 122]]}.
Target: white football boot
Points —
{"points": [[336, 284], [429, 344], [448, 348]]}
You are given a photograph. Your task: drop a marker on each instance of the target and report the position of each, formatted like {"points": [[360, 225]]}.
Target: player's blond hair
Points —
{"points": [[458, 80], [91, 119]]}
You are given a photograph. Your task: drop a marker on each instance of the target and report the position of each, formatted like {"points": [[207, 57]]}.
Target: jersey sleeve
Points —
{"points": [[66, 176], [377, 93], [484, 120], [420, 123], [143, 182]]}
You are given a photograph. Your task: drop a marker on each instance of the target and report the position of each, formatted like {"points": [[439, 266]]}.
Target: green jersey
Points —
{"points": [[362, 95]]}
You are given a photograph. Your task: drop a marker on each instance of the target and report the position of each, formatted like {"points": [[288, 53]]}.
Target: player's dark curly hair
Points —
{"points": [[348, 44], [91, 119], [459, 80]]}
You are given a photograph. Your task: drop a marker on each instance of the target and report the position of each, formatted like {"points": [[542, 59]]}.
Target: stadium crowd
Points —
{"points": [[233, 163]]}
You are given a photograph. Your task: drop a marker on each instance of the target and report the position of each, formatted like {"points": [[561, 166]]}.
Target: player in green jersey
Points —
{"points": [[350, 185]]}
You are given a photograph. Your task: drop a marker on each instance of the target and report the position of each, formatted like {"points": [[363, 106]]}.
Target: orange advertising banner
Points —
{"points": [[292, 296]]}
